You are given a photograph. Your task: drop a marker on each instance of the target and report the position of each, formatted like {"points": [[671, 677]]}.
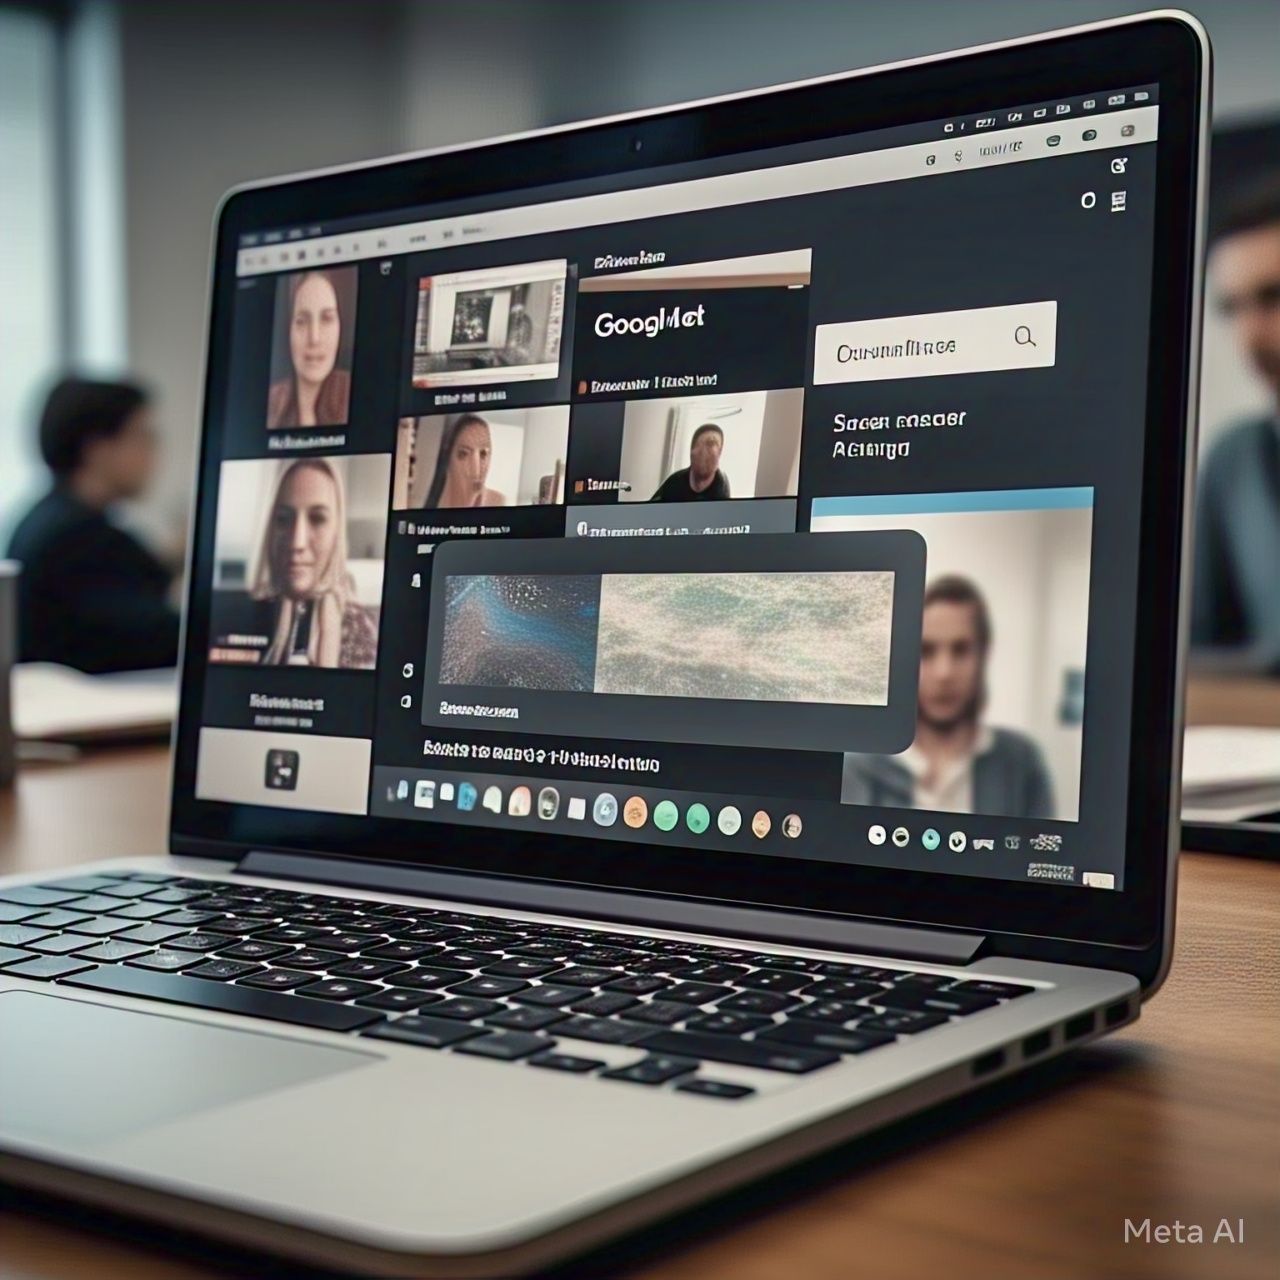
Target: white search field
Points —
{"points": [[981, 340]]}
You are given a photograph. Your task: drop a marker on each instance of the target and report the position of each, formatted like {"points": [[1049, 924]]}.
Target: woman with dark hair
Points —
{"points": [[302, 571], [317, 393], [91, 596], [462, 466]]}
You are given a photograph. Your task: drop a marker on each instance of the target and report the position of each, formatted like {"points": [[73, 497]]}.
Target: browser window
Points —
{"points": [[780, 505]]}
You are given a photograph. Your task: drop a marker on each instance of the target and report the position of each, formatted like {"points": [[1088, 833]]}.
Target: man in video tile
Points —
{"points": [[702, 480], [957, 764]]}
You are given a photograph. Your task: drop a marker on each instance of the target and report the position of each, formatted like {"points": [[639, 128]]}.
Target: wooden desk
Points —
{"points": [[1177, 1118]]}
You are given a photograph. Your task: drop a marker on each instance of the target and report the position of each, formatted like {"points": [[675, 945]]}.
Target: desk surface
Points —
{"points": [[1174, 1119]]}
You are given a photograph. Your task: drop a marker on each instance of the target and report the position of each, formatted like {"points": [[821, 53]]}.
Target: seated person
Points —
{"points": [[1235, 619], [956, 763], [462, 466], [302, 577], [702, 480], [91, 595]]}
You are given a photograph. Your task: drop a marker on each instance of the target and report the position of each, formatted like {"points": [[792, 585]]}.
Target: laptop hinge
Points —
{"points": [[794, 928]]}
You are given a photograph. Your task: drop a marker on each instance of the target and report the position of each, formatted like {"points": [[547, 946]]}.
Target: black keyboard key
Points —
{"points": [[833, 989], [351, 941], [252, 949], [200, 993], [34, 895], [696, 992], [523, 967], [581, 975], [637, 984], [729, 1024], [152, 934], [165, 961], [545, 950], [565, 1062], [602, 1030], [663, 1013], [293, 933], [605, 955], [103, 926], [525, 1018], [757, 1002], [835, 1011], [506, 1046], [398, 999], [552, 995], [61, 944], [421, 979], [361, 967], [487, 987], [217, 970], [656, 964], [278, 979], [922, 981], [655, 1069], [21, 935], [1001, 990], [764, 960], [12, 913], [426, 1032], [403, 950], [928, 1001], [774, 980], [311, 958], [58, 918], [901, 1022], [715, 1088], [857, 972], [47, 968], [817, 1035], [463, 959], [14, 955], [489, 941], [338, 989], [704, 971], [465, 1008], [604, 1004], [434, 933], [794, 1060], [197, 942]]}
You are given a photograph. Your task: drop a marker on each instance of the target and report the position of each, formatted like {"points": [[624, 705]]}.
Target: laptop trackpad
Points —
{"points": [[72, 1072]]}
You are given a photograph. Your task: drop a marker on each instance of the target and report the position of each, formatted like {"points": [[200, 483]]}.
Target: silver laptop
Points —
{"points": [[682, 664]]}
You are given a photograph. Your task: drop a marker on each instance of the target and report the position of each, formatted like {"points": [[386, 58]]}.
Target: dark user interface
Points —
{"points": [[784, 512]]}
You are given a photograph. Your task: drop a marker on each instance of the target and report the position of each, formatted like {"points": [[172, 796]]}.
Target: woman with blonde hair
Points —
{"points": [[302, 569]]}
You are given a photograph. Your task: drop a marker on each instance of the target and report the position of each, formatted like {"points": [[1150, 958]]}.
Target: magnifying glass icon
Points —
{"points": [[1022, 336]]}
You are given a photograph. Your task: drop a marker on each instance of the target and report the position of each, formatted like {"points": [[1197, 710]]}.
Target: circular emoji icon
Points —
{"points": [[760, 824], [605, 809], [665, 815], [931, 839], [877, 834], [698, 818], [635, 812], [792, 826], [900, 837], [729, 820]]}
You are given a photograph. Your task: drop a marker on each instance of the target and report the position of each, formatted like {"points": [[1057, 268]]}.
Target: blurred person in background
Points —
{"points": [[1235, 620], [91, 596], [957, 763]]}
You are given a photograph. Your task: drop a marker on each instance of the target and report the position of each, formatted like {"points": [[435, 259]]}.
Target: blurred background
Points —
{"points": [[122, 122]]}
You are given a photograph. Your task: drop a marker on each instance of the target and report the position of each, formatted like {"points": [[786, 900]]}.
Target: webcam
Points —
{"points": [[637, 144]]}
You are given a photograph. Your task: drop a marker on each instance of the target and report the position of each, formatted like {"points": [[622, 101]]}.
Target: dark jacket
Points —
{"points": [[1236, 601], [1009, 779], [676, 488], [90, 596]]}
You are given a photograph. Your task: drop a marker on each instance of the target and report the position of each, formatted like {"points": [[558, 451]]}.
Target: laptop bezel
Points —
{"points": [[1128, 929]]}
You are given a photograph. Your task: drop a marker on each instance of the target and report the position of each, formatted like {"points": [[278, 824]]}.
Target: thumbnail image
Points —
{"points": [[519, 631], [298, 561], [770, 637], [500, 324], [498, 458], [711, 448], [1000, 706], [311, 349]]}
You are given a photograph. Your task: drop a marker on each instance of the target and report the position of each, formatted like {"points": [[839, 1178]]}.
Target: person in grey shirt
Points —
{"points": [[1235, 616], [956, 764]]}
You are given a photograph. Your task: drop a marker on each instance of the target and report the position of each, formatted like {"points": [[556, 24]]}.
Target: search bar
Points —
{"points": [[984, 339]]}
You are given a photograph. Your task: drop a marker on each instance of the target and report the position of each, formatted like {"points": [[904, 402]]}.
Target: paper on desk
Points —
{"points": [[57, 703], [1229, 772]]}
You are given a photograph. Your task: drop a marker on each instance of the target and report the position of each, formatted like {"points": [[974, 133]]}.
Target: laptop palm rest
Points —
{"points": [[73, 1072]]}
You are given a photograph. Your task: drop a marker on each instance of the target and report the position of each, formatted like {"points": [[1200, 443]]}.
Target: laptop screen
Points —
{"points": [[779, 504]]}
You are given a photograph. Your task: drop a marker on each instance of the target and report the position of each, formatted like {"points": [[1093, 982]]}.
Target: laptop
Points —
{"points": [[682, 664]]}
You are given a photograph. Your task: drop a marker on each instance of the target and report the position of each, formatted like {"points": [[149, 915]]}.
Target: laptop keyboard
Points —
{"points": [[486, 986]]}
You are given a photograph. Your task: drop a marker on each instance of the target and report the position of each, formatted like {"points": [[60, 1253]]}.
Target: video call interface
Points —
{"points": [[780, 517]]}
